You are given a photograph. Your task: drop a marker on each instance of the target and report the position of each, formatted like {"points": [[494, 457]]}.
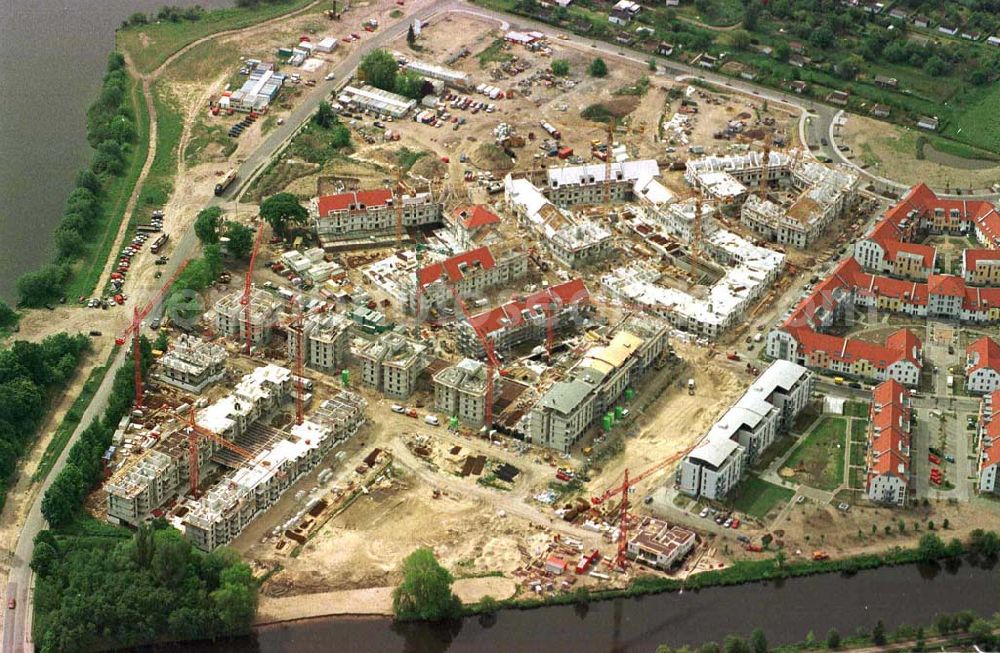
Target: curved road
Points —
{"points": [[817, 121]]}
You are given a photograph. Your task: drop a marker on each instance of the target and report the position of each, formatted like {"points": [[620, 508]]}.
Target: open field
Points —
{"points": [[151, 45], [818, 461], [891, 151]]}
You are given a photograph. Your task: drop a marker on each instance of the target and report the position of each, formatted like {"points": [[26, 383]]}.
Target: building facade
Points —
{"points": [[887, 466], [391, 364]]}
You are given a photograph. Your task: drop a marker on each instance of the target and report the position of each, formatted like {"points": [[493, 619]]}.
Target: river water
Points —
{"points": [[53, 54], [786, 610]]}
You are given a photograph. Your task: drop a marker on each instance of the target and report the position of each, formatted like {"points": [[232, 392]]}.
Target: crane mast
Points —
{"points": [[247, 288]]}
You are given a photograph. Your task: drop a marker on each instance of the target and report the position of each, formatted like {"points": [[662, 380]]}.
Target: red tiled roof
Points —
{"points": [[925, 252], [354, 200], [983, 353], [946, 284], [907, 342], [453, 267], [511, 314], [972, 257], [888, 433], [475, 216]]}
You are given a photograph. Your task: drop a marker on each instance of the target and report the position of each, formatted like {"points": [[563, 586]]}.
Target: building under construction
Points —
{"points": [[460, 391], [326, 341], [527, 319], [469, 274], [391, 364], [257, 465], [585, 184], [659, 544], [368, 213], [230, 316], [574, 240], [571, 406], [191, 364]]}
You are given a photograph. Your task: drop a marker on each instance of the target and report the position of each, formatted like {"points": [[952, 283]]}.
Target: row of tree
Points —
{"points": [[111, 132], [167, 13], [30, 374]]}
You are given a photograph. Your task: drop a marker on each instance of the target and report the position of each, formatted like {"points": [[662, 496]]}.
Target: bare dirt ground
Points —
{"points": [[890, 151]]}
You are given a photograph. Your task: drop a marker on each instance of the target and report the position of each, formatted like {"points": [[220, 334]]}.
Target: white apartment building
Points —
{"points": [[362, 213], [746, 430], [325, 341], [460, 391], [191, 364], [391, 364]]}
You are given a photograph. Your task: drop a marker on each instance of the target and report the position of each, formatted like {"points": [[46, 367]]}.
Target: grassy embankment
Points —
{"points": [[85, 275], [151, 45], [70, 421]]}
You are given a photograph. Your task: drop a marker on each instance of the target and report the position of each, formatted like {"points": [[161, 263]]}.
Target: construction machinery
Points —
{"points": [[620, 561], [248, 287], [135, 326], [492, 362]]}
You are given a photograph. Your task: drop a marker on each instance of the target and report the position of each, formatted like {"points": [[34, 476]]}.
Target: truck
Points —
{"points": [[733, 356], [551, 131], [951, 381], [225, 183], [159, 243], [690, 385]]}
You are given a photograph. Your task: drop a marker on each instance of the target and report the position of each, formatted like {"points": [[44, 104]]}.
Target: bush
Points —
{"points": [[598, 68], [560, 67]]}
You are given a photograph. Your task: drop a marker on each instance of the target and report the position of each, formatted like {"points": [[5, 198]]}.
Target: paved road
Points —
{"points": [[15, 621]]}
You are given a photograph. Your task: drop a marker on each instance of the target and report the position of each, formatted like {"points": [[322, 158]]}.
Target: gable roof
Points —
{"points": [[354, 200], [983, 353], [475, 216], [453, 269]]}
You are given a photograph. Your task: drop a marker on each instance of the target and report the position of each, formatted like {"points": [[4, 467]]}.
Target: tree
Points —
{"points": [[735, 644], [985, 543], [981, 631], [782, 51], [41, 286], [410, 84], [411, 36], [379, 69], [945, 524], [281, 211], [930, 547], [944, 624], [810, 640], [560, 67], [779, 558], [740, 39], [710, 647], [878, 633], [651, 64], [758, 643], [833, 639], [751, 13], [87, 179], [488, 605], [206, 225], [822, 37], [324, 116], [598, 68], [7, 314], [240, 239], [425, 592], [918, 644]]}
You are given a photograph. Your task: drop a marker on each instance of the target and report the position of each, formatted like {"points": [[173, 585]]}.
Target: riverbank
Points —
{"points": [[372, 601]]}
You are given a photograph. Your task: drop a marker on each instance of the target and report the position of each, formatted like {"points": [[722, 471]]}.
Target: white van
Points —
{"points": [[432, 420]]}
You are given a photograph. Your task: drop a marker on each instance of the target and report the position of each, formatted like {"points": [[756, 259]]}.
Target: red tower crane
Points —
{"points": [[492, 363], [549, 308], [248, 286], [194, 432], [135, 326], [620, 560]]}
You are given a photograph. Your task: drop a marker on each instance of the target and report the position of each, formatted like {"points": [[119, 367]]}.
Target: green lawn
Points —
{"points": [[151, 45], [757, 497], [160, 180], [777, 449], [856, 409], [819, 460]]}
